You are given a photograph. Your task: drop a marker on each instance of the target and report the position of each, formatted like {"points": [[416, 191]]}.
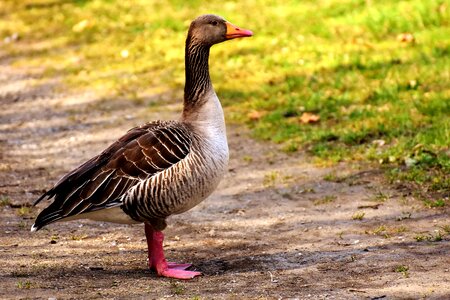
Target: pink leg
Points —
{"points": [[157, 261]]}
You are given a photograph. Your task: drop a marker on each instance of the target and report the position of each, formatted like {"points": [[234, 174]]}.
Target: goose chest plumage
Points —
{"points": [[160, 168]]}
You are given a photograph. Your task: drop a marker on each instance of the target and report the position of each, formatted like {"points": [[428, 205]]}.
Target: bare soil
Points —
{"points": [[274, 229]]}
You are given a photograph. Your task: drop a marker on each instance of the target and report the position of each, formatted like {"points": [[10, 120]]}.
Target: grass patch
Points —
{"points": [[5, 201], [325, 200], [76, 237], [380, 197], [374, 73], [333, 177], [434, 203], [24, 211], [270, 178], [247, 159], [404, 270], [446, 229], [177, 288], [436, 236], [359, 215], [22, 225], [25, 284], [54, 239], [387, 232]]}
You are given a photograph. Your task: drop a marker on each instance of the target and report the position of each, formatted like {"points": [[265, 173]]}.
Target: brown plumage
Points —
{"points": [[160, 168], [102, 181]]}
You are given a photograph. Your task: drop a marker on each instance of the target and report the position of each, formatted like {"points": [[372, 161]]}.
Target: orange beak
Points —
{"points": [[236, 32]]}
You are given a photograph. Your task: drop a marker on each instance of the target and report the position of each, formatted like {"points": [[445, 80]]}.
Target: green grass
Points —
{"points": [[5, 201], [24, 284], [436, 236], [402, 269], [359, 215], [177, 288], [325, 200], [24, 211], [379, 99], [434, 203]]}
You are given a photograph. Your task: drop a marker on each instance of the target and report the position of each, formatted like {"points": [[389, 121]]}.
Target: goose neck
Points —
{"points": [[198, 82]]}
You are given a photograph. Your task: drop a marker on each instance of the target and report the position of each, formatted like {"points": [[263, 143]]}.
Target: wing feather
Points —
{"points": [[103, 180]]}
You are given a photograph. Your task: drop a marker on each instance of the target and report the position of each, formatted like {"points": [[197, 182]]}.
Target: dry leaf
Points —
{"points": [[255, 115], [405, 37], [307, 117], [80, 26]]}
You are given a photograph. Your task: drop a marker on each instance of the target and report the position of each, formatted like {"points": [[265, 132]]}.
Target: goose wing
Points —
{"points": [[101, 181]]}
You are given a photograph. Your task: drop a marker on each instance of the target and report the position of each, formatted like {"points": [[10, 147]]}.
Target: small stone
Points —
{"points": [[409, 162], [379, 143]]}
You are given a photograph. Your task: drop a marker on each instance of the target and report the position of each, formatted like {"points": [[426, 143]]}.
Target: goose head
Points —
{"points": [[208, 30]]}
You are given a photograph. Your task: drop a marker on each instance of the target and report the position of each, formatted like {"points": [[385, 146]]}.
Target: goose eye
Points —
{"points": [[214, 23]]}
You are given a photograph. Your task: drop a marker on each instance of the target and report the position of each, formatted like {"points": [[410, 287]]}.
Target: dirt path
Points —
{"points": [[274, 229]]}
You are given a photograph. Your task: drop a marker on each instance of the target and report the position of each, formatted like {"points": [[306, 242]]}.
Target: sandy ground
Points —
{"points": [[274, 229]]}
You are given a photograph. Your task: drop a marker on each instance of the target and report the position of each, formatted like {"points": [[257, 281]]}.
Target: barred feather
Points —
{"points": [[105, 179]]}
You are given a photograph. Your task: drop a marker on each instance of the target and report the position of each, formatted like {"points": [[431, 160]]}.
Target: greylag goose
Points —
{"points": [[160, 168]]}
